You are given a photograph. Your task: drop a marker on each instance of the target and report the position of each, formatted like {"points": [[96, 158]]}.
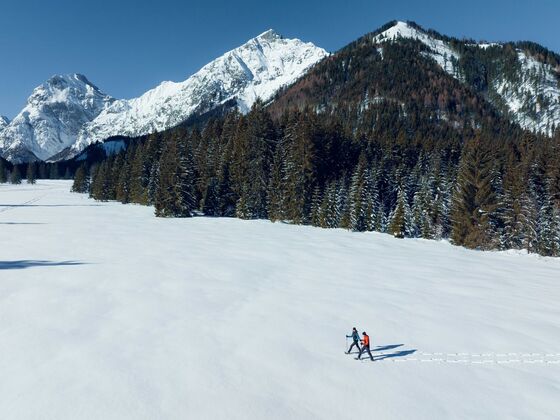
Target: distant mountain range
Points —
{"points": [[520, 82], [67, 113]]}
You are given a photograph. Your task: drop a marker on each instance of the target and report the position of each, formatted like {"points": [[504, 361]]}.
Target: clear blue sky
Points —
{"points": [[126, 47]]}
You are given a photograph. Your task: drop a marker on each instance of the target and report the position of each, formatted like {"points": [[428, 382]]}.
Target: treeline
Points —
{"points": [[478, 189], [15, 173]]}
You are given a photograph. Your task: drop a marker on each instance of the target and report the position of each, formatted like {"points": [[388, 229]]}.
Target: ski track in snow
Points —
{"points": [[5, 208]]}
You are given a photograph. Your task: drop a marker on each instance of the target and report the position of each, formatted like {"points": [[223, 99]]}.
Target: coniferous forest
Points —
{"points": [[306, 168], [368, 140]]}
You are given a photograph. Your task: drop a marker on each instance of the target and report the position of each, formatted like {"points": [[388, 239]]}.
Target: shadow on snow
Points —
{"points": [[21, 223], [401, 353], [21, 264], [388, 347], [378, 357]]}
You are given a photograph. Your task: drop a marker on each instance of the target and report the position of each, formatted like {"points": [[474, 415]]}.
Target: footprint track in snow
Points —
{"points": [[471, 358]]}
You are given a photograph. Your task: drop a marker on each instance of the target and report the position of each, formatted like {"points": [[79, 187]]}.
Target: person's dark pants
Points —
{"points": [[355, 343], [365, 348]]}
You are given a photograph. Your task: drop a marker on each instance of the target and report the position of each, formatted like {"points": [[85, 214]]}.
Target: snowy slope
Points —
{"points": [[4, 121], [52, 118], [440, 51], [107, 312], [257, 69], [533, 98]]}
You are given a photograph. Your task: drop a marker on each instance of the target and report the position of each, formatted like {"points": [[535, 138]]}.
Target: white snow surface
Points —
{"points": [[52, 117], [534, 99], [107, 312], [257, 69]]}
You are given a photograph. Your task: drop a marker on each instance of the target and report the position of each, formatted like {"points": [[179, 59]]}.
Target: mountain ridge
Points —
{"points": [[256, 69], [521, 80]]}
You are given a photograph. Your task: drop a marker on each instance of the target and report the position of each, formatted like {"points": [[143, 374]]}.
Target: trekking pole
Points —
{"points": [[345, 349]]}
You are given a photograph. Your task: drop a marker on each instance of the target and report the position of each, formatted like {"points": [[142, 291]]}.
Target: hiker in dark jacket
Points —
{"points": [[356, 340]]}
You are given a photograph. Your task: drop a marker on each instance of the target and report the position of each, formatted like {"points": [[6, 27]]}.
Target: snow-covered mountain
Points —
{"points": [[254, 70], [528, 92], [52, 118], [67, 113]]}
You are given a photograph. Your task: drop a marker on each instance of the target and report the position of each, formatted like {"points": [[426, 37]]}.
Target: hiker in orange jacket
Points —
{"points": [[365, 346]]}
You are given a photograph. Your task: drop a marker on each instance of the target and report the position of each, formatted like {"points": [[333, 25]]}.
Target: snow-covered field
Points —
{"points": [[107, 312]]}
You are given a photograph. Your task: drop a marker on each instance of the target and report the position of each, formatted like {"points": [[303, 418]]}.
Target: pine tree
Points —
{"points": [[225, 196], [529, 220], [138, 175], [496, 217], [153, 183], [175, 195], [54, 171], [122, 190], [258, 141], [146, 175], [549, 227], [81, 180], [276, 196], [43, 174], [115, 174], [342, 206], [400, 220], [316, 201], [15, 177], [3, 172], [328, 212], [359, 196], [210, 202], [31, 173], [421, 209], [374, 210], [300, 167], [441, 210], [475, 199], [513, 221], [100, 182]]}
